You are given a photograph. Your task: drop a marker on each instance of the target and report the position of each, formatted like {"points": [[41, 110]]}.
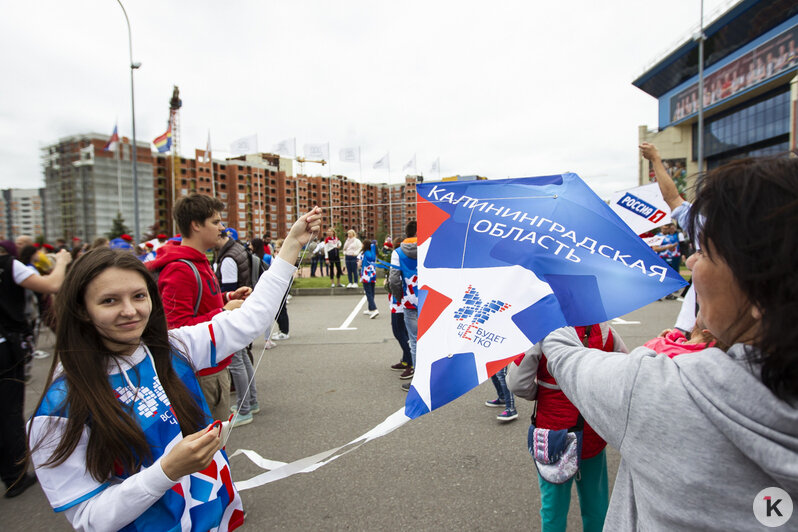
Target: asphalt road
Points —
{"points": [[457, 468]]}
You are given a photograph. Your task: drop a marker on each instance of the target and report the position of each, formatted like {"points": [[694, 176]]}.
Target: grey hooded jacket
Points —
{"points": [[700, 435]]}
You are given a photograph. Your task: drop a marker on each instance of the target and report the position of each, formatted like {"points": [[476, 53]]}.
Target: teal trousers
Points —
{"points": [[592, 486]]}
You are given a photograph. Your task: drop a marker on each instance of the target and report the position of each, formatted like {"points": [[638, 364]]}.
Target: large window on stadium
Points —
{"points": [[760, 127]]}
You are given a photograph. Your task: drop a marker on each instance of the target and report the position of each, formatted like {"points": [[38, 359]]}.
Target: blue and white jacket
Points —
{"points": [[149, 500]]}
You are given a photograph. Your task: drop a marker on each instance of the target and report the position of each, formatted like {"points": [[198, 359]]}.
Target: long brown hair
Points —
{"points": [[115, 438]]}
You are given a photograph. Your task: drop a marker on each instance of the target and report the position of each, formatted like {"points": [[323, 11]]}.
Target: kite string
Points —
{"points": [[552, 196], [465, 240], [263, 351]]}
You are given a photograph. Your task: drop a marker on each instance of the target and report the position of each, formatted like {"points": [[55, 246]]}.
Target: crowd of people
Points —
{"points": [[704, 416]]}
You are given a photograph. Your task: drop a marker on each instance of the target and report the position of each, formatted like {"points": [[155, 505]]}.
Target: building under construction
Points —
{"points": [[85, 187]]}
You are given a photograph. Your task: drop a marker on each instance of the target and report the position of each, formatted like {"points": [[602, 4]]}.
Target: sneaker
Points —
{"points": [[24, 483], [367, 311], [339, 284], [289, 297], [373, 314], [280, 336], [399, 366], [407, 373], [498, 403], [406, 386], [507, 415], [349, 285], [253, 409], [332, 285], [243, 419], [269, 344]]}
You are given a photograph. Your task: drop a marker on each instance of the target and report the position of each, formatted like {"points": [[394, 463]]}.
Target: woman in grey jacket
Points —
{"points": [[709, 440]]}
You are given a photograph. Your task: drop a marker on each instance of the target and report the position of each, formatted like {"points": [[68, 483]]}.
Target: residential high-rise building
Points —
{"points": [[23, 212], [263, 195], [85, 187], [4, 222], [261, 191]]}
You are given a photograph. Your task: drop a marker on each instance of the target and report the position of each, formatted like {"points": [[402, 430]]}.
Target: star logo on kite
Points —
{"points": [[475, 310]]}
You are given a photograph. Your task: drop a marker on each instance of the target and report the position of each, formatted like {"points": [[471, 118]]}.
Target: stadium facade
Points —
{"points": [[750, 63]]}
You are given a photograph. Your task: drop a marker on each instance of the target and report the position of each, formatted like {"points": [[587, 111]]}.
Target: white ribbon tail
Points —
{"points": [[280, 470]]}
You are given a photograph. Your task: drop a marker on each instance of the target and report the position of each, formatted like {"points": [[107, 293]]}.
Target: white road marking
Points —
{"points": [[620, 321], [348, 321]]}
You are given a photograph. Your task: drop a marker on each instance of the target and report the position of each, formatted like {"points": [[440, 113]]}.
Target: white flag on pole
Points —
{"points": [[285, 147], [208, 148], [436, 165], [349, 155], [245, 145], [382, 163], [410, 164], [317, 152]]}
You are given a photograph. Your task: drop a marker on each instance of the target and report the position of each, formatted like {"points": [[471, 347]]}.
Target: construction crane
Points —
{"points": [[175, 103]]}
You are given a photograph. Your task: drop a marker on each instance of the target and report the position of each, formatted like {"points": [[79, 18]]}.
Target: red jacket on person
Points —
{"points": [[555, 411], [178, 287]]}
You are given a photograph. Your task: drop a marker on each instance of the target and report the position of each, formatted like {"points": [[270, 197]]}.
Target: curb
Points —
{"points": [[337, 291]]}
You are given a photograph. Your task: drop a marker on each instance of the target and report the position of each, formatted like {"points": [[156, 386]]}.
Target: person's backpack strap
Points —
{"points": [[199, 283]]}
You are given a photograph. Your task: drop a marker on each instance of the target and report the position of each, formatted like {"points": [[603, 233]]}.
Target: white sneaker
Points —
{"points": [[367, 311], [373, 314], [269, 344], [332, 285], [280, 336]]}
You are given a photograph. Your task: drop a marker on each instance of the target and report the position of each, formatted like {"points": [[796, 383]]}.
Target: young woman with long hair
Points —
{"points": [[121, 437]]}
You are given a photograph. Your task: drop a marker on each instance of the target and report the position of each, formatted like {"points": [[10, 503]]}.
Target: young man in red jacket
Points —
{"points": [[199, 220]]}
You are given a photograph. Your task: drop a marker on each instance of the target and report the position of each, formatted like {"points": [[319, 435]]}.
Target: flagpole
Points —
{"points": [[210, 161], [118, 174], [263, 207], [329, 160], [390, 195], [331, 209], [329, 156], [360, 189], [296, 182]]}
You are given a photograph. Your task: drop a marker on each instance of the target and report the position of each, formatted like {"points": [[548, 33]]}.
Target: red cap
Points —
{"points": [[37, 245], [149, 245], [161, 236], [75, 239], [126, 237], [48, 247]]}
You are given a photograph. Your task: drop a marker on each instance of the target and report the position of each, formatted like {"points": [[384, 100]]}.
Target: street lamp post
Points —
{"points": [[133, 66], [701, 37]]}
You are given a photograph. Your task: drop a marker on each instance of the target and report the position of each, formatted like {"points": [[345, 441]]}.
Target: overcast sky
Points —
{"points": [[500, 89]]}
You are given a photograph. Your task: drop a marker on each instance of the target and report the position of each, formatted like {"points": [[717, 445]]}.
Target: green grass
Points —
{"points": [[313, 282]]}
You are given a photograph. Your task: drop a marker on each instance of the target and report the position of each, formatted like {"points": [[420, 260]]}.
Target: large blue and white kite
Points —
{"points": [[502, 263]]}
